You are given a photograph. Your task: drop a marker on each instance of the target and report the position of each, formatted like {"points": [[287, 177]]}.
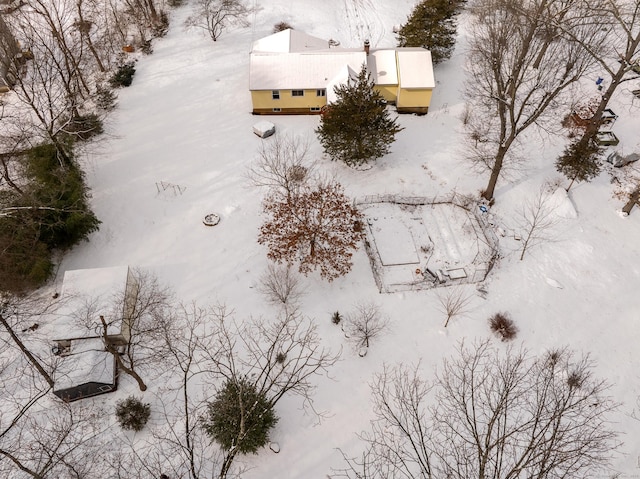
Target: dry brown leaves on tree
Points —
{"points": [[318, 227]]}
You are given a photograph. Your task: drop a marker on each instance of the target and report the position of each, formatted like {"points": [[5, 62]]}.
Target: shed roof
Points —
{"points": [[86, 362], [289, 41], [415, 68], [275, 71], [383, 67], [94, 289]]}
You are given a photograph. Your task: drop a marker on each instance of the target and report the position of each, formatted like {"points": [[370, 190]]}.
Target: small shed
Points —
{"points": [[84, 369], [89, 294]]}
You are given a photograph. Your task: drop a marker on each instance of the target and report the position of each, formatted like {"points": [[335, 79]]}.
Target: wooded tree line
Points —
{"points": [[58, 58], [63, 61]]}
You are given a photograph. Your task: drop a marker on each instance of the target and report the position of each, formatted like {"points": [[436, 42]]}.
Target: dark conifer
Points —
{"points": [[431, 25], [579, 161], [357, 127], [240, 417]]}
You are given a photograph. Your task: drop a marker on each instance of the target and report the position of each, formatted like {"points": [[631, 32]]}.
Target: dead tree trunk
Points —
{"points": [[116, 354], [634, 197]]}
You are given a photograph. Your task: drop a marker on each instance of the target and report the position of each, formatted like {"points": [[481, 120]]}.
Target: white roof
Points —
{"points": [[94, 289], [343, 76], [415, 68], [383, 67], [289, 41], [86, 362], [275, 71]]}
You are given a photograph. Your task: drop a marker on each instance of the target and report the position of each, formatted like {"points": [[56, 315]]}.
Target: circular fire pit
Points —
{"points": [[211, 219]]}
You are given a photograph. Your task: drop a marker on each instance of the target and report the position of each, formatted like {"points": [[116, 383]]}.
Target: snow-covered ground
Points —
{"points": [[186, 121]]}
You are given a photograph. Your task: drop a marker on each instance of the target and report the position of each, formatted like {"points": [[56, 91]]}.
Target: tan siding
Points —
{"points": [[262, 101], [388, 92], [414, 98]]}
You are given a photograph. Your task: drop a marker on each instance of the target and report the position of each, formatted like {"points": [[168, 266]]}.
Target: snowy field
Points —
{"points": [[186, 122]]}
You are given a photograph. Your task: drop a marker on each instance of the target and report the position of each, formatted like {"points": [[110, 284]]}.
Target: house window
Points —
{"points": [[277, 109], [315, 108], [275, 95], [321, 92], [297, 92]]}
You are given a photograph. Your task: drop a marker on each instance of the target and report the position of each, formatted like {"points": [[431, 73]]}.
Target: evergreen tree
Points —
{"points": [[431, 25], [240, 418], [68, 218], [132, 413], [356, 128], [579, 161]]}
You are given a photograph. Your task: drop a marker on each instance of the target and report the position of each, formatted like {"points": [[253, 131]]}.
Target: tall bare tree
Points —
{"points": [[22, 313], [177, 446], [283, 165], [208, 348], [215, 16], [618, 58], [50, 89], [55, 440], [496, 414], [519, 64], [144, 312], [278, 357], [40, 437]]}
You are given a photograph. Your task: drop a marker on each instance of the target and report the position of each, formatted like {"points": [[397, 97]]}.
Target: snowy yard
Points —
{"points": [[178, 148], [186, 121]]}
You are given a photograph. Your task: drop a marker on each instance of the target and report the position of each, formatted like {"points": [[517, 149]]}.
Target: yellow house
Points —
{"points": [[404, 77], [294, 73]]}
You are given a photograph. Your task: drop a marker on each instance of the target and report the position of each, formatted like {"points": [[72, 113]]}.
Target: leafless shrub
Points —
{"points": [[503, 326], [454, 301], [282, 165], [536, 220], [281, 285], [364, 324]]}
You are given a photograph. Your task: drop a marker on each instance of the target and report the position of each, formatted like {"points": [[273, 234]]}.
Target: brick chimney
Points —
{"points": [[366, 47]]}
